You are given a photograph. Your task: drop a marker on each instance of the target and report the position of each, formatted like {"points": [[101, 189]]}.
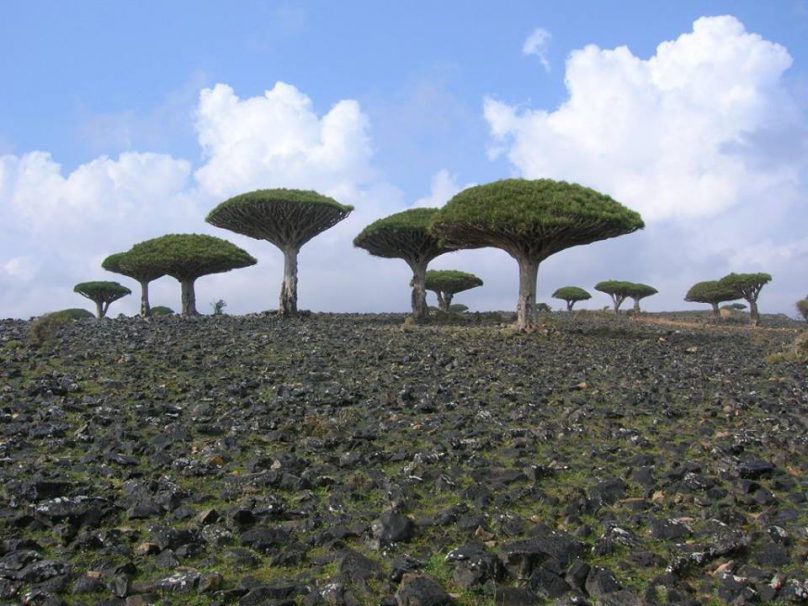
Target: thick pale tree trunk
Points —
{"points": [[288, 299], [442, 304], [636, 306], [99, 309], [617, 301], [716, 311], [447, 298], [145, 308], [188, 298], [570, 303], [419, 307], [526, 308], [753, 312]]}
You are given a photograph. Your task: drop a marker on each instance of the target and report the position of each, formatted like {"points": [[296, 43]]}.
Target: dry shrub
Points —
{"points": [[796, 352], [46, 328]]}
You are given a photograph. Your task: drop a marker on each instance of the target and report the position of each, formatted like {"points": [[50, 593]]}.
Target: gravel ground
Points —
{"points": [[342, 459]]}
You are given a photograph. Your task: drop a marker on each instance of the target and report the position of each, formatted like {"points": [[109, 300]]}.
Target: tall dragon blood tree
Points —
{"points": [[287, 218], [406, 236], [531, 220], [142, 270], [187, 257]]}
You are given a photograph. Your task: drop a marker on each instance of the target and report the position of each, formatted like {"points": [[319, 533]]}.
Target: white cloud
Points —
{"points": [[703, 138], [278, 140], [442, 189], [57, 227], [537, 44]]}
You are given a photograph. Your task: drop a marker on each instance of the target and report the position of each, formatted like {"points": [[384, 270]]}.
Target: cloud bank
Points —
{"points": [[702, 138]]}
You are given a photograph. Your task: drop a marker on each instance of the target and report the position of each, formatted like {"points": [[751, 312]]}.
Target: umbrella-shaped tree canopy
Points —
{"points": [[101, 293], [446, 283], [186, 257], [406, 235], [531, 220], [288, 218]]}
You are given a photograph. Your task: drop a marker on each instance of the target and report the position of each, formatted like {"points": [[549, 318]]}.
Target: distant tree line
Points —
{"points": [[529, 219]]}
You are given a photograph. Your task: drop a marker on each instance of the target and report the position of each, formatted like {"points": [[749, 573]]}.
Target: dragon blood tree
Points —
{"points": [[747, 287], [288, 218], [406, 236], [712, 292], [531, 220], [571, 295], [618, 290], [102, 294], [638, 292], [186, 257], [446, 283], [128, 264]]}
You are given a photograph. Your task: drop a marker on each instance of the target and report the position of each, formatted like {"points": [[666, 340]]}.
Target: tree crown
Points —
{"points": [[745, 285], [710, 291], [284, 217], [620, 288], [132, 265], [532, 218], [403, 235], [640, 291], [571, 293], [451, 281], [188, 256], [101, 290]]}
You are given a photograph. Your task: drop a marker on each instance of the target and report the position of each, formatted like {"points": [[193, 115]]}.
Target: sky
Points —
{"points": [[121, 122]]}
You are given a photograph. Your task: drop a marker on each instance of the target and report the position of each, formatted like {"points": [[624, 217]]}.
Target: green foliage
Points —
{"points": [[802, 307], [746, 286], [543, 307], [162, 310], [451, 281], [458, 308], [133, 265], [615, 287], [735, 306], [403, 235], [639, 291], [710, 291], [532, 218], [101, 290], [284, 217], [73, 313], [571, 293], [189, 256]]}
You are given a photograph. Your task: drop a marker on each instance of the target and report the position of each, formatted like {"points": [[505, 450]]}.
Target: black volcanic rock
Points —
{"points": [[341, 459]]}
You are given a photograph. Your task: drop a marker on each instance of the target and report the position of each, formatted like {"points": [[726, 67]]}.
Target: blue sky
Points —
{"points": [[436, 96]]}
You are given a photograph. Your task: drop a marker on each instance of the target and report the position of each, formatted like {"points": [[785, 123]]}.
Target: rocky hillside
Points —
{"points": [[343, 460]]}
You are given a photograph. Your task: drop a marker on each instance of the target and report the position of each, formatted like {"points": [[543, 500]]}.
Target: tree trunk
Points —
{"points": [[716, 311], [570, 303], [441, 301], [188, 298], [617, 301], [288, 300], [636, 306], [418, 299], [145, 308], [99, 309], [753, 311], [448, 299], [526, 308]]}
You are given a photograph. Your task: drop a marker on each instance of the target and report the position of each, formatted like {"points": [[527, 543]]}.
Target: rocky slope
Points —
{"points": [[352, 460]]}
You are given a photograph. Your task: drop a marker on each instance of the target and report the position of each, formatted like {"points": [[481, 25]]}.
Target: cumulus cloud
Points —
{"points": [[442, 189], [279, 140], [58, 226], [537, 44], [703, 138]]}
